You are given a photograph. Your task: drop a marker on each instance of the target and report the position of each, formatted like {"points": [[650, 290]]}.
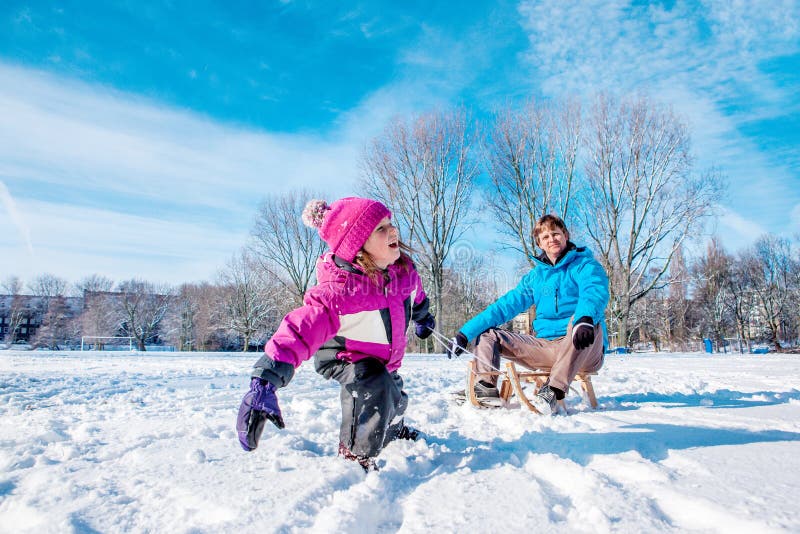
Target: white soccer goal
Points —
{"points": [[103, 342]]}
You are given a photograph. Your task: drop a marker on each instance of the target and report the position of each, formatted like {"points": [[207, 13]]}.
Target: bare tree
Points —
{"points": [[250, 300], [642, 198], [94, 282], [473, 288], [16, 309], [660, 317], [712, 280], [424, 170], [12, 285], [143, 306], [101, 315], [181, 320], [741, 296], [772, 276], [283, 245], [53, 324], [649, 320], [469, 286], [48, 285], [792, 316], [56, 328], [678, 301], [531, 157], [198, 314]]}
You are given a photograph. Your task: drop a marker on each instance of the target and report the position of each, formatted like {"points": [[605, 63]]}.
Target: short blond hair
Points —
{"points": [[548, 222]]}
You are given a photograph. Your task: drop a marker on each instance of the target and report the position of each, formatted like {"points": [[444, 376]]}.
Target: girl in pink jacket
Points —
{"points": [[353, 322]]}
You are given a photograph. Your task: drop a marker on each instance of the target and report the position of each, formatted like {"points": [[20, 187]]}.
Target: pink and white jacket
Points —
{"points": [[349, 313]]}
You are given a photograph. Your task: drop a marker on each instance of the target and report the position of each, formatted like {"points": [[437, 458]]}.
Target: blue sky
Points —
{"points": [[136, 138]]}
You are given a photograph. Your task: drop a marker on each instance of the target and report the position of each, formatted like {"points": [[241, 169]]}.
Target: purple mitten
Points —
{"points": [[425, 326], [258, 405]]}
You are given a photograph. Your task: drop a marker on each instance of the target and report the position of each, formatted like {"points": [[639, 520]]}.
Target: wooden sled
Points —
{"points": [[511, 382]]}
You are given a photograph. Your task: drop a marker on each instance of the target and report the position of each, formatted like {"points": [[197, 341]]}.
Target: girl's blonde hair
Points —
{"points": [[365, 262]]}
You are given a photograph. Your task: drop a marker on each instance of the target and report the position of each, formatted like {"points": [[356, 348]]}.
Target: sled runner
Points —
{"points": [[512, 381]]}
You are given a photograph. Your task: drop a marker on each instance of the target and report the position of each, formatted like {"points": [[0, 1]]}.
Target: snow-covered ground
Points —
{"points": [[112, 442]]}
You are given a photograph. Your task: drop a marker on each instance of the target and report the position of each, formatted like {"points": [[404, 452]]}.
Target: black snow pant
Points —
{"points": [[373, 402]]}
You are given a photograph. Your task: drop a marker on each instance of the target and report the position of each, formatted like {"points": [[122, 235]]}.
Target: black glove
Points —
{"points": [[458, 346], [425, 326], [583, 333]]}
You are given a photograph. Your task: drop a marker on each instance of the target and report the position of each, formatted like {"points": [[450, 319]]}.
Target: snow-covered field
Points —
{"points": [[112, 442]]}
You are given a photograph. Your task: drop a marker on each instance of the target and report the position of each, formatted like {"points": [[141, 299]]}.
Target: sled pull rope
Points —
{"points": [[447, 342]]}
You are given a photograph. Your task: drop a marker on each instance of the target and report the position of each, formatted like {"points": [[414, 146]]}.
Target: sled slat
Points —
{"points": [[515, 381], [472, 378], [512, 380], [511, 383]]}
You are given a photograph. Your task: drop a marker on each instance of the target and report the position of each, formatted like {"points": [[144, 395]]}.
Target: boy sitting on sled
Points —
{"points": [[569, 289]]}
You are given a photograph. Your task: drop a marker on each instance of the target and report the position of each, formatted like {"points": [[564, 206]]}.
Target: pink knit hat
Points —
{"points": [[346, 224]]}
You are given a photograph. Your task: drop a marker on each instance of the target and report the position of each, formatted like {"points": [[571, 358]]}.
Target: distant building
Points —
{"points": [[21, 316], [521, 324]]}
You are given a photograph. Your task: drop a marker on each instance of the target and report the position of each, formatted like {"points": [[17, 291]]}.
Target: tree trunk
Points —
{"points": [[622, 324]]}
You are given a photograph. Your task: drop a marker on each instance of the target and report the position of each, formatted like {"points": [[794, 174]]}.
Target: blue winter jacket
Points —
{"points": [[574, 287]]}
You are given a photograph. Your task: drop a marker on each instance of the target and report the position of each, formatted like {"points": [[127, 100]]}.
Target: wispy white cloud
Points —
{"points": [[714, 48], [92, 144], [14, 217], [57, 134], [206, 177], [74, 242], [794, 221], [442, 64], [705, 59], [23, 16], [57, 131], [744, 230]]}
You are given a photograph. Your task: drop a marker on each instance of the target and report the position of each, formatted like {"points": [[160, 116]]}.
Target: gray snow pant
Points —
{"points": [[373, 402]]}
